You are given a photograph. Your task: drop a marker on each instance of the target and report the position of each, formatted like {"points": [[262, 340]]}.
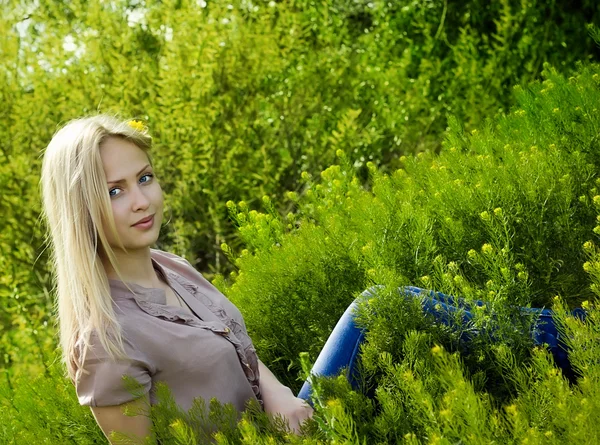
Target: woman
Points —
{"points": [[127, 309]]}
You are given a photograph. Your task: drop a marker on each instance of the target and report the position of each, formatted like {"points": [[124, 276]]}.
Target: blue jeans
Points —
{"points": [[341, 348]]}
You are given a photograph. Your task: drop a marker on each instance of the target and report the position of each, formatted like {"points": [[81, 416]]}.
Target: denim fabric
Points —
{"points": [[341, 349]]}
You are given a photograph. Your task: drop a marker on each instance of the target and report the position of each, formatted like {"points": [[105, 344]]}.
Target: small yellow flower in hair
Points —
{"points": [[136, 125]]}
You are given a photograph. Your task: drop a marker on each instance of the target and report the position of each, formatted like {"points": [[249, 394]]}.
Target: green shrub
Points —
{"points": [[241, 98], [505, 215], [490, 217], [505, 212]]}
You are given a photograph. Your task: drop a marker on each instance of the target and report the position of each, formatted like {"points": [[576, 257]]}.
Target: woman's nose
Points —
{"points": [[140, 200]]}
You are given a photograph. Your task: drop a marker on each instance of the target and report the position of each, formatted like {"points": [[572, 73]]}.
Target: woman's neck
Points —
{"points": [[135, 267]]}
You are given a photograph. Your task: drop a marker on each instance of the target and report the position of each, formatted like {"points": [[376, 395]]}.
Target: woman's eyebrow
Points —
{"points": [[123, 180]]}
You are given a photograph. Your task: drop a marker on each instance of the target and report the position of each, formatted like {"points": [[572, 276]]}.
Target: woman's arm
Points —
{"points": [[279, 399], [111, 418]]}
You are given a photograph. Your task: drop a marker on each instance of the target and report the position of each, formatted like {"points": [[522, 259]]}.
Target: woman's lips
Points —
{"points": [[145, 225]]}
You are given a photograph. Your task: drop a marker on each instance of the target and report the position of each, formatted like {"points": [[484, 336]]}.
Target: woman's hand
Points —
{"points": [[279, 399], [283, 402]]}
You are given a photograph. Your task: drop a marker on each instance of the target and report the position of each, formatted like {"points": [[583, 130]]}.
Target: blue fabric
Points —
{"points": [[341, 349]]}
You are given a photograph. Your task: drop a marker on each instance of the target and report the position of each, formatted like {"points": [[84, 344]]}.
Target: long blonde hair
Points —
{"points": [[76, 207]]}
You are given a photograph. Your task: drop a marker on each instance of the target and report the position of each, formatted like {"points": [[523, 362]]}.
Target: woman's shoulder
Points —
{"points": [[195, 282], [177, 265], [168, 257]]}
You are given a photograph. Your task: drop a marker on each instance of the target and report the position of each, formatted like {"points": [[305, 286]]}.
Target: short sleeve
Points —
{"points": [[103, 384]]}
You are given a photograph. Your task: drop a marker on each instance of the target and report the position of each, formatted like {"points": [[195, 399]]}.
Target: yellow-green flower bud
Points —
{"points": [[487, 248], [292, 196], [333, 403], [485, 216], [436, 350]]}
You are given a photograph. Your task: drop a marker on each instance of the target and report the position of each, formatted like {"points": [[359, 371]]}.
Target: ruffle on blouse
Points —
{"points": [[241, 341], [153, 303]]}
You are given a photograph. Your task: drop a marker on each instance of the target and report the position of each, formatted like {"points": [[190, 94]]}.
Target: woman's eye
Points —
{"points": [[149, 178]]}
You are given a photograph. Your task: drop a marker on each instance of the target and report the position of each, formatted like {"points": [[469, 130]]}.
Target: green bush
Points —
{"points": [[500, 215], [507, 214], [242, 98], [254, 100], [466, 222]]}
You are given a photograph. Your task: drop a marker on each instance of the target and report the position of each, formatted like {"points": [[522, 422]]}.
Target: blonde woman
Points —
{"points": [[125, 308]]}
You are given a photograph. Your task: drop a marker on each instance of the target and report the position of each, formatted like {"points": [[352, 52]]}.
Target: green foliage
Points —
{"points": [[503, 214], [44, 410], [242, 98], [254, 101], [507, 214]]}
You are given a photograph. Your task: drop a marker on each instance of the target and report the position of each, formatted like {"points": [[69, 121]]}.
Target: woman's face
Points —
{"points": [[134, 193]]}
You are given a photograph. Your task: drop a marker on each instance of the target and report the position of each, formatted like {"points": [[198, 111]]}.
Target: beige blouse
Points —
{"points": [[203, 351]]}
